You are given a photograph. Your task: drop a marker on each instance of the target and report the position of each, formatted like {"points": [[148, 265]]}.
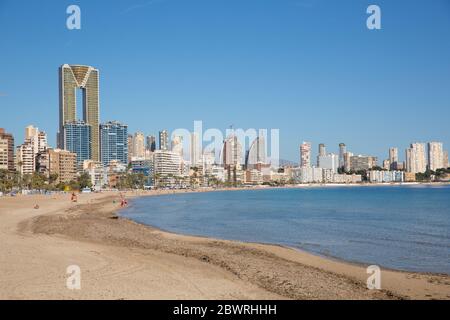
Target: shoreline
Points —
{"points": [[239, 270]]}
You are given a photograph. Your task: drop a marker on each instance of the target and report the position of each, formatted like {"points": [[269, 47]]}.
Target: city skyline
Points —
{"points": [[373, 109]]}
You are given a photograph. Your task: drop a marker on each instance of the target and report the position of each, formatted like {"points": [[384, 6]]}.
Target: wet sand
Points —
{"points": [[120, 259]]}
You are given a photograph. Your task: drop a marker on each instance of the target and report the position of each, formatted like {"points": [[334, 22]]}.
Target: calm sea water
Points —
{"points": [[400, 227]]}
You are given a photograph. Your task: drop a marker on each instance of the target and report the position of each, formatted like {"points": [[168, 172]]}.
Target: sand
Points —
{"points": [[120, 259]]}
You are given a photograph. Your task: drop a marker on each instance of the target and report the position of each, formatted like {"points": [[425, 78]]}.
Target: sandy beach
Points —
{"points": [[120, 259]]}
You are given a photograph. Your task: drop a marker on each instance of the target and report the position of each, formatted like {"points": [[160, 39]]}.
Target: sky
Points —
{"points": [[310, 68]]}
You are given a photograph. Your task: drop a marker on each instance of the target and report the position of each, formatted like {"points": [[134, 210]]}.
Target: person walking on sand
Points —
{"points": [[74, 197]]}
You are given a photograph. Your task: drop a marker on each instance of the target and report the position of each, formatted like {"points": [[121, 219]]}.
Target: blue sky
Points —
{"points": [[310, 68]]}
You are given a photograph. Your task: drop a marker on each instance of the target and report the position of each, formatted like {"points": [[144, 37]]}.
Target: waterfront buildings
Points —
{"points": [[305, 154], [164, 140], [97, 172], [6, 150], [435, 156], [113, 142], [416, 158], [71, 79], [378, 176], [167, 166], [77, 139]]}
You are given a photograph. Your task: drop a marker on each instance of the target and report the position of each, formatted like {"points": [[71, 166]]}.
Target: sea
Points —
{"points": [[403, 227]]}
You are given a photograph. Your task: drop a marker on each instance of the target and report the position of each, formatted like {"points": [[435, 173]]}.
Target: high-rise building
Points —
{"points": [[130, 147], [322, 149], [232, 151], [167, 167], [416, 158], [6, 150], [138, 145], [435, 156], [342, 151], [25, 158], [77, 139], [347, 161], [86, 79], [360, 162], [305, 154], [164, 140], [196, 150], [256, 156], [322, 153], [113, 142], [393, 158], [177, 145], [446, 164], [62, 163], [150, 144], [329, 161], [38, 139]]}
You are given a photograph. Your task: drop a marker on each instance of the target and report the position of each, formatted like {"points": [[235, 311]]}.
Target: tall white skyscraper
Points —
{"points": [[435, 155], [416, 161], [196, 149]]}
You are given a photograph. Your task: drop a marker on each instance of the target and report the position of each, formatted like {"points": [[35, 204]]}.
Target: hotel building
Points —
{"points": [[71, 79]]}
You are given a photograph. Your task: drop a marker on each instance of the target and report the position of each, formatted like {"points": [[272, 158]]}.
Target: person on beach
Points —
{"points": [[74, 197]]}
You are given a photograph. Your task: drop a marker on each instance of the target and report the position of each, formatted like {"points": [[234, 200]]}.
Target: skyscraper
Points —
{"points": [[416, 158], [6, 150], [85, 78], [77, 139], [177, 145], [322, 150], [150, 144], [322, 153], [113, 142], [232, 151], [329, 161], [163, 140], [138, 145], [393, 158], [256, 155], [195, 149], [435, 155], [305, 154], [446, 164], [342, 151], [38, 139]]}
